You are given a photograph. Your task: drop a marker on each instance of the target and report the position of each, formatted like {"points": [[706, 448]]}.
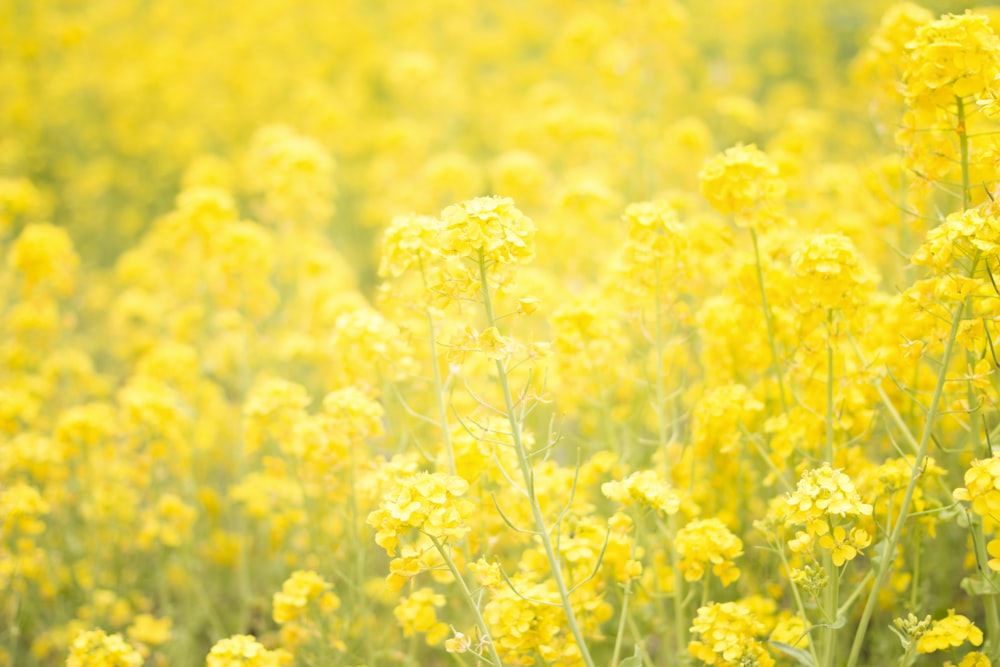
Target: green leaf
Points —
{"points": [[634, 661], [802, 656], [877, 552], [903, 639], [977, 585]]}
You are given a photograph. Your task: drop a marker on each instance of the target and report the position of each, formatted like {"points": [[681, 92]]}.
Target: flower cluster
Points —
{"points": [[491, 227], [98, 649], [949, 632], [822, 502], [646, 488], [301, 588], [708, 542], [981, 488], [743, 182], [956, 56], [829, 274], [244, 651], [431, 503], [728, 635]]}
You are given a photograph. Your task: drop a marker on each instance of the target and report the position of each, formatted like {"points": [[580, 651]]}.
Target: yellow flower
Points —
{"points": [[492, 226], [708, 542], [44, 256], [981, 481], [830, 274], [97, 649], [301, 588], [416, 613], [957, 55], [647, 488], [728, 636], [245, 651], [844, 547], [744, 182], [149, 629], [949, 632], [428, 502], [973, 659]]}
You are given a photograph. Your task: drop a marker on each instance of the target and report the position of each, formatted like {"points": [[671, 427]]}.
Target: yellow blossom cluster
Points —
{"points": [[728, 635], [431, 503], [949, 632]]}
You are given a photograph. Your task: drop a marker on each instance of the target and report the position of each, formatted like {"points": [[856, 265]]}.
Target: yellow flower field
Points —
{"points": [[635, 333]]}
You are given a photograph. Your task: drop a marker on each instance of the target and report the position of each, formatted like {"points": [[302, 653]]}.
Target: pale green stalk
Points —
{"points": [[680, 620], [963, 149], [470, 599], [798, 600], [897, 530], [775, 364], [989, 601], [830, 603], [526, 472], [620, 635]]}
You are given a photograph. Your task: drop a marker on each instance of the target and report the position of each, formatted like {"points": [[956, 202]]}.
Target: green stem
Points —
{"points": [[831, 603], [621, 624], [775, 365], [829, 387], [989, 601], [897, 530], [359, 596], [680, 621], [439, 394], [467, 594], [527, 475], [798, 600], [963, 147]]}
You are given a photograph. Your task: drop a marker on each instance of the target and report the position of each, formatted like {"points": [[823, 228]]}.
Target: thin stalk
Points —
{"points": [[989, 601], [775, 365], [621, 624], [798, 601], [680, 621], [830, 595], [526, 472], [360, 601], [637, 637], [439, 395], [829, 386], [467, 594], [830, 600], [963, 148], [897, 530]]}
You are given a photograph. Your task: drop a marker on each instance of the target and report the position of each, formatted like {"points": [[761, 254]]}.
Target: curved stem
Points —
{"points": [[526, 472], [897, 530], [775, 365], [467, 594], [829, 387], [963, 148]]}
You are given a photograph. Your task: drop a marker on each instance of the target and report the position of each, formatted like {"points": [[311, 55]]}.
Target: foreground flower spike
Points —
{"points": [[492, 226], [955, 56], [830, 275], [95, 648], [728, 635], [949, 632], [431, 503], [245, 651], [705, 543], [743, 182]]}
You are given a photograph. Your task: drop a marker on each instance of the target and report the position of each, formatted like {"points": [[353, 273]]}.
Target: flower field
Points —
{"points": [[635, 333]]}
